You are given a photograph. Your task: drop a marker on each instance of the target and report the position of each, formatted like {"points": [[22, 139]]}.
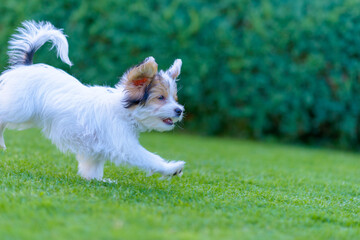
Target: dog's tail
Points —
{"points": [[30, 37]]}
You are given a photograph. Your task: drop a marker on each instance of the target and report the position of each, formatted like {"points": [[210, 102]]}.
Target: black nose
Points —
{"points": [[178, 111]]}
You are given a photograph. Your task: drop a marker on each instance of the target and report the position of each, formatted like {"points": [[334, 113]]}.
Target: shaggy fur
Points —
{"points": [[95, 123]]}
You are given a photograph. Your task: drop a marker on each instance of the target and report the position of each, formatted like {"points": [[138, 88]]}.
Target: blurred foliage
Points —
{"points": [[275, 68]]}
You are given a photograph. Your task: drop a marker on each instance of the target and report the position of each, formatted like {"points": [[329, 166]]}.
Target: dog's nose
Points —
{"points": [[178, 111]]}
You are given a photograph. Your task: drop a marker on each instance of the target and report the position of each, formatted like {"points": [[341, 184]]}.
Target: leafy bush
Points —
{"points": [[282, 68]]}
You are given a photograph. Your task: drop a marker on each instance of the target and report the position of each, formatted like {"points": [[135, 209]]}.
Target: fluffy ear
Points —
{"points": [[137, 82], [174, 70], [142, 73]]}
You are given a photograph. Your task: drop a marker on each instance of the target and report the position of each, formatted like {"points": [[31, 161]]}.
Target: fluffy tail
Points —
{"points": [[30, 37]]}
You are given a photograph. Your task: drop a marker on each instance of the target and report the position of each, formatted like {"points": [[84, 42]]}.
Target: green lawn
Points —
{"points": [[230, 190]]}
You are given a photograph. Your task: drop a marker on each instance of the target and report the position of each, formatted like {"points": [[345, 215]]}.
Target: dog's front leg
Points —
{"points": [[154, 164]]}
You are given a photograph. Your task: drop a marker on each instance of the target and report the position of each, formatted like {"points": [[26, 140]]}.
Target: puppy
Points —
{"points": [[95, 123]]}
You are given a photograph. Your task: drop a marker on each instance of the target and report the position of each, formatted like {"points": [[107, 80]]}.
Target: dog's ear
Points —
{"points": [[137, 81], [174, 70], [141, 74]]}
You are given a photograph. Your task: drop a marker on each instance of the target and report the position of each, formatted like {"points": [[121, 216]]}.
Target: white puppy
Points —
{"points": [[95, 123]]}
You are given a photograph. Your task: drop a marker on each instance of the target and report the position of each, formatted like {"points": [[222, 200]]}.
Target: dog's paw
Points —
{"points": [[174, 169]]}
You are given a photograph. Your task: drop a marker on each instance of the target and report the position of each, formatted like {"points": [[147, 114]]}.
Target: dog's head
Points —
{"points": [[152, 95]]}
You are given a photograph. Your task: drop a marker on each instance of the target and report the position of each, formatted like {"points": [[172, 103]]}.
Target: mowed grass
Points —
{"points": [[230, 190]]}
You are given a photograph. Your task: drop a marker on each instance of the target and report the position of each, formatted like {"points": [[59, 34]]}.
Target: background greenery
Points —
{"points": [[273, 68], [261, 69]]}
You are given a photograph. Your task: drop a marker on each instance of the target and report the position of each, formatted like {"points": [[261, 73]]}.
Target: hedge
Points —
{"points": [[276, 68]]}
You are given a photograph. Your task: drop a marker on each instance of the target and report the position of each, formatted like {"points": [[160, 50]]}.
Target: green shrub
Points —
{"points": [[282, 68]]}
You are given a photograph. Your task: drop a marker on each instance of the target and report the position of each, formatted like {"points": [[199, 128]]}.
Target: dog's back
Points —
{"points": [[28, 91], [22, 82]]}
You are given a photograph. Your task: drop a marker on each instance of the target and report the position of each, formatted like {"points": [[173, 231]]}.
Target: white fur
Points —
{"points": [[174, 70], [90, 122]]}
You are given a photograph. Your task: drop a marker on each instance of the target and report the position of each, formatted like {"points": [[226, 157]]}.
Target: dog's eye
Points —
{"points": [[161, 97]]}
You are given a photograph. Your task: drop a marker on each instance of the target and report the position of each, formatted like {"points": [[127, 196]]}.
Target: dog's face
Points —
{"points": [[152, 95]]}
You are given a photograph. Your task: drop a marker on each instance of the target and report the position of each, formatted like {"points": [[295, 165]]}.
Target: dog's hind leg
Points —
{"points": [[2, 142], [90, 168]]}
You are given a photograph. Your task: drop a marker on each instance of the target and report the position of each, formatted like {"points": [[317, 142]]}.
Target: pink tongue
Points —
{"points": [[168, 121]]}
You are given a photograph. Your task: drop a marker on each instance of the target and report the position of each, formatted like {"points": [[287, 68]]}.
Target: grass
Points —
{"points": [[230, 190]]}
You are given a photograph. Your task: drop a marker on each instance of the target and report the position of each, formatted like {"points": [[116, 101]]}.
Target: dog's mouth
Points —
{"points": [[168, 121]]}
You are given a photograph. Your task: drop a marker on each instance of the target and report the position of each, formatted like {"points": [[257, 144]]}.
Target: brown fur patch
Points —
{"points": [[148, 69], [176, 96], [160, 87]]}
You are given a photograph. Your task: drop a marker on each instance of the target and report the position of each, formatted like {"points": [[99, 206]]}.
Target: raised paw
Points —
{"points": [[174, 169]]}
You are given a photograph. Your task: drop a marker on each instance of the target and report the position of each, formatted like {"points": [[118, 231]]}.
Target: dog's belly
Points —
{"points": [[20, 126]]}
